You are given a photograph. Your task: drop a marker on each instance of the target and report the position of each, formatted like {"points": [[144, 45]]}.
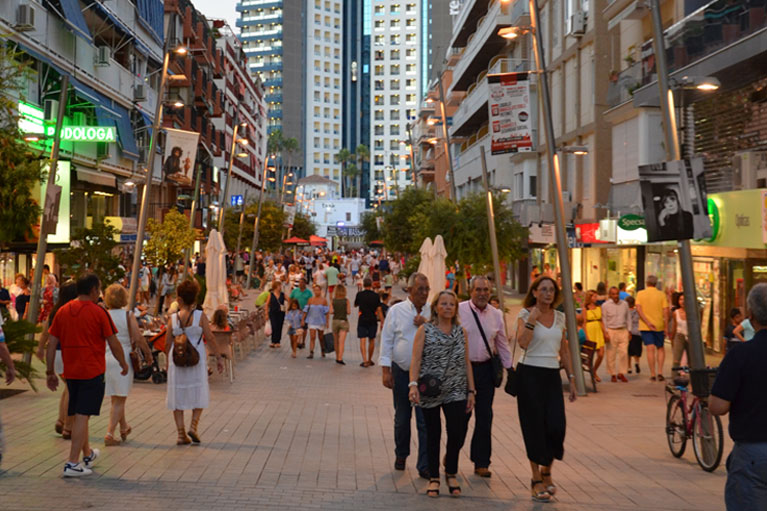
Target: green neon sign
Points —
{"points": [[31, 120]]}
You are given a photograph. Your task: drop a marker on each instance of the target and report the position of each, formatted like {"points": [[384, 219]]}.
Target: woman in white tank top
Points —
{"points": [[679, 341], [118, 386]]}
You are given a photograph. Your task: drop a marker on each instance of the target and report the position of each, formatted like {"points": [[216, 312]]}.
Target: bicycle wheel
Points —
{"points": [[707, 439], [676, 426]]}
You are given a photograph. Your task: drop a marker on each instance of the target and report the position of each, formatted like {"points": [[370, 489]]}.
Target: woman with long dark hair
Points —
{"points": [[541, 407], [67, 293]]}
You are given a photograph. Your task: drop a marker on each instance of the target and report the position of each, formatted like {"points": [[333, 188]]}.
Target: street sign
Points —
{"points": [[631, 222], [236, 200]]}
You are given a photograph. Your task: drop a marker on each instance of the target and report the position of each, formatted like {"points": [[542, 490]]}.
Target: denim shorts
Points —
{"points": [[651, 337]]}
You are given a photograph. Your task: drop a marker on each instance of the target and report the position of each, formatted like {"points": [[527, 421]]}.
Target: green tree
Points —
{"points": [[19, 337], [290, 146], [93, 250], [398, 235], [362, 154], [370, 226], [303, 227], [352, 173], [168, 239], [269, 228], [22, 172], [344, 156]]}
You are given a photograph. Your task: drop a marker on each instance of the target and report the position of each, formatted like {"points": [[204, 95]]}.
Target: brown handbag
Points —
{"points": [[184, 354]]}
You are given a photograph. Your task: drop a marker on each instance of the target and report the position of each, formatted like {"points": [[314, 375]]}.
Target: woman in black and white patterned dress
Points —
{"points": [[440, 349]]}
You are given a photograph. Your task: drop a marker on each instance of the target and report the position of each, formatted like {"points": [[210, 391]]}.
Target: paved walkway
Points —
{"points": [[310, 434]]}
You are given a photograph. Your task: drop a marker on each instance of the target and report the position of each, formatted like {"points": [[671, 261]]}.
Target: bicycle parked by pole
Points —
{"points": [[687, 419]]}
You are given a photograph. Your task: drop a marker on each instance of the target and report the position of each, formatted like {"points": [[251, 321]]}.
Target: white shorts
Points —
{"points": [[316, 327]]}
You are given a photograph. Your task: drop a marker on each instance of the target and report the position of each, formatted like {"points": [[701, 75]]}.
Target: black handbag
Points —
{"points": [[430, 385], [495, 359], [512, 376]]}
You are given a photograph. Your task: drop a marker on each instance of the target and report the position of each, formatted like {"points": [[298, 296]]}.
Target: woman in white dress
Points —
{"points": [[188, 386], [118, 386]]}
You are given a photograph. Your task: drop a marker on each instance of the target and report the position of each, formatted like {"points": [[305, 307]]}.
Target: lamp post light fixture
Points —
{"points": [[235, 141], [578, 150], [701, 83]]}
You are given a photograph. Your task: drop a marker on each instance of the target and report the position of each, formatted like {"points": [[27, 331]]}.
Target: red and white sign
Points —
{"points": [[588, 233], [509, 112]]}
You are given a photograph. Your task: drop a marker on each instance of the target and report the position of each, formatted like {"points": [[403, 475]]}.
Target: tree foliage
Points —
{"points": [[303, 227], [168, 239], [370, 226], [416, 215], [22, 172], [93, 250], [19, 337], [270, 227]]}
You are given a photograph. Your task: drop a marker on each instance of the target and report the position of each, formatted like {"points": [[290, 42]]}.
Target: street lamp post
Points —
{"points": [[256, 223], [697, 356], [42, 240], [446, 138], [143, 213], [559, 208], [493, 239], [412, 157], [195, 202], [222, 211]]}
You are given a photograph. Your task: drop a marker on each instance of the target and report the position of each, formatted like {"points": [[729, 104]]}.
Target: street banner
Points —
{"points": [[290, 215], [764, 216], [674, 200], [509, 111], [180, 154]]}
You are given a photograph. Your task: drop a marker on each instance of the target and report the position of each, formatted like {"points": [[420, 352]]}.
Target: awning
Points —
{"points": [[151, 14], [74, 18], [126, 136], [122, 27], [96, 178]]}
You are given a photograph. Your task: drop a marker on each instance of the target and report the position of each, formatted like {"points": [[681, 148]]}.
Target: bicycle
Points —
{"points": [[694, 421]]}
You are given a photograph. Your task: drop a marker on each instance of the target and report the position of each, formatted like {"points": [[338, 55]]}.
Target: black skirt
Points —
{"points": [[635, 346], [541, 408]]}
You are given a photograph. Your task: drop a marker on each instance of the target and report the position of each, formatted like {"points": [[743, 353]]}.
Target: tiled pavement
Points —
{"points": [[310, 434]]}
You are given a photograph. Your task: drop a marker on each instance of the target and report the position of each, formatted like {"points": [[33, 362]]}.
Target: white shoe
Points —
{"points": [[76, 470], [89, 460]]}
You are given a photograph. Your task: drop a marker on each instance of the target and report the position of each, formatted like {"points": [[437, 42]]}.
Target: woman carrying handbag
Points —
{"points": [[541, 407]]}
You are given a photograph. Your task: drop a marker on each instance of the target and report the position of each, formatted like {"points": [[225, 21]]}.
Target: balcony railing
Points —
{"points": [[622, 85], [712, 27]]}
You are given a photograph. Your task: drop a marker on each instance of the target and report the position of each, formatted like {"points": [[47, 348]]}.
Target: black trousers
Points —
{"points": [[277, 319], [455, 424], [541, 408], [481, 443]]}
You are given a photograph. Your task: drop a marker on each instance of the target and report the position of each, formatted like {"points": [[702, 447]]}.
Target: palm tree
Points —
{"points": [[275, 145], [343, 156], [290, 146], [352, 172], [362, 153]]}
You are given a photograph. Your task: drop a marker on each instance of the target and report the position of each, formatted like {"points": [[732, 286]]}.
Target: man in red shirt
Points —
{"points": [[82, 327]]}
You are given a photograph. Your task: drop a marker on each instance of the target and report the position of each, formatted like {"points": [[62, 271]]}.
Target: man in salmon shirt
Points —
{"points": [[83, 328]]}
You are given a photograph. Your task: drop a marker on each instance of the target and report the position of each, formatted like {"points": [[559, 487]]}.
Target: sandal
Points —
{"points": [[193, 431], [311, 355], [110, 440], [455, 491], [182, 438], [433, 492], [597, 378], [125, 432], [551, 487], [539, 496], [59, 427], [66, 434]]}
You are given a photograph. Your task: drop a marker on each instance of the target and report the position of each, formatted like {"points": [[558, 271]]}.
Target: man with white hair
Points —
{"points": [[397, 336], [739, 389]]}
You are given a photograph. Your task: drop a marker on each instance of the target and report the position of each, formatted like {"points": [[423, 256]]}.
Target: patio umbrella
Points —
{"points": [[215, 274], [295, 241], [424, 266], [437, 276], [317, 240]]}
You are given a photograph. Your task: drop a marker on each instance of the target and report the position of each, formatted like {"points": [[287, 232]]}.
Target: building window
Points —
{"points": [[394, 129], [394, 115], [394, 84], [395, 39], [395, 54], [410, 68], [394, 99], [394, 69]]}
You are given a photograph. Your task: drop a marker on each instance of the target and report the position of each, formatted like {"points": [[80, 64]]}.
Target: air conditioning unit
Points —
{"points": [[25, 18], [103, 56], [750, 170], [51, 109], [139, 92], [578, 24]]}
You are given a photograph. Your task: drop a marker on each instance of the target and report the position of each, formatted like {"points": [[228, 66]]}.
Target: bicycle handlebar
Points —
{"points": [[688, 369]]}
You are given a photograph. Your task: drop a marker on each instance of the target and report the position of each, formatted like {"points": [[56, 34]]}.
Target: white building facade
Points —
{"points": [[395, 91], [323, 76]]}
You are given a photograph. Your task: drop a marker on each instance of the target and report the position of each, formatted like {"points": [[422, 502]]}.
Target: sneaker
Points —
{"points": [[76, 470], [399, 464], [636, 366], [89, 460]]}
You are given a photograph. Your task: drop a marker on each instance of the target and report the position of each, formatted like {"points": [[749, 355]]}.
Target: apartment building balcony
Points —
{"points": [[263, 51], [274, 98], [262, 35], [481, 47], [265, 66], [252, 5], [260, 19], [707, 42], [470, 10], [472, 112], [275, 114], [273, 82], [622, 85]]}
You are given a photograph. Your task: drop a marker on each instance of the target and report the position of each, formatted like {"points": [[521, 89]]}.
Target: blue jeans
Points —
{"points": [[746, 486], [402, 413]]}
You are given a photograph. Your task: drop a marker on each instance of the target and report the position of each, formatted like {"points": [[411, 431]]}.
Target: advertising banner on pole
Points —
{"points": [[180, 155], [509, 111], [674, 200]]}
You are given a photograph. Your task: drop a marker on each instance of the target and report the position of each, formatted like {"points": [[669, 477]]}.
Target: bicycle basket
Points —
{"points": [[702, 380]]}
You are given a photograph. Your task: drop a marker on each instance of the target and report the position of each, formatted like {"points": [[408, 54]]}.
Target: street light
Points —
{"points": [[701, 83], [235, 140], [578, 150]]}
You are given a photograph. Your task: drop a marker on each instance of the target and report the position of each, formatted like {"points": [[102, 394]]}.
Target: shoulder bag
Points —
{"points": [[184, 354], [512, 378], [495, 359], [430, 385], [135, 360]]}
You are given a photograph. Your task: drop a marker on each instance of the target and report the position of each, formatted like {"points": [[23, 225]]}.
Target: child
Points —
{"points": [[358, 281], [736, 317], [495, 302], [388, 281], [384, 304], [295, 318], [219, 323], [635, 343], [582, 336]]}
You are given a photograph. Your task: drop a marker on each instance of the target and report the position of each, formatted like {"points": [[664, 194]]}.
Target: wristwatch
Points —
{"points": [[471, 391], [412, 384]]}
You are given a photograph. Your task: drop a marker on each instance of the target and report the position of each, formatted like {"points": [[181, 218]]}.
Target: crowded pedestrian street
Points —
{"points": [[310, 434]]}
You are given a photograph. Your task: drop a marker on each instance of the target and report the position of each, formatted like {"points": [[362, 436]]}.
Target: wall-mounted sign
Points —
{"points": [[32, 120], [510, 113], [631, 222], [59, 233], [236, 200]]}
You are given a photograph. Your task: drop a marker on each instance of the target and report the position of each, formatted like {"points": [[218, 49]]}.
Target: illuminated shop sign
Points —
{"points": [[32, 120]]}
